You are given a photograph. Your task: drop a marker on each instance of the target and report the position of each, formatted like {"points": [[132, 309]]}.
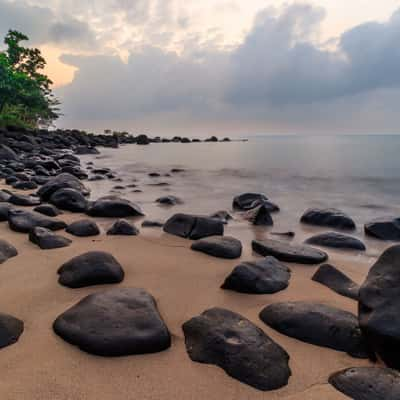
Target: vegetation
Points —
{"points": [[26, 98]]}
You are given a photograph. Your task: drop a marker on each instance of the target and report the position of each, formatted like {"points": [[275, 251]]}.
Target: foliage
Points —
{"points": [[26, 98]]}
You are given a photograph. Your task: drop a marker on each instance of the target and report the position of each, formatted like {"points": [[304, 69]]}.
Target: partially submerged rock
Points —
{"points": [[247, 201], [11, 329], [6, 251], [265, 276], [152, 224], [222, 215], [335, 280], [330, 217], [24, 221], [337, 241], [367, 383], [83, 228], [169, 200], [288, 252], [193, 226], [47, 239], [387, 228], [219, 246], [114, 207], [123, 227], [230, 341], [317, 324], [117, 322], [259, 216]]}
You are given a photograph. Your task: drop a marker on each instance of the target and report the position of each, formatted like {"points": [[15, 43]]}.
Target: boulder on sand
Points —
{"points": [[337, 241], [248, 201], [48, 209], [24, 221], [62, 181], [233, 343], [259, 216], [69, 199], [6, 251], [123, 227], [387, 228], [83, 228], [47, 239], [24, 200], [11, 329], [114, 207], [117, 322], [219, 246], [327, 217]]}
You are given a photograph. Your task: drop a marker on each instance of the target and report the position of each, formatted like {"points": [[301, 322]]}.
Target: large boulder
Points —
{"points": [[289, 253], [367, 383], [24, 200], [11, 329], [378, 307], [337, 241], [118, 322], [233, 343], [7, 154], [193, 226], [123, 227], [92, 268], [114, 207], [259, 216], [24, 221], [247, 201], [337, 281], [62, 181], [265, 276], [317, 324], [83, 228], [6, 251], [387, 228], [219, 246], [47, 239], [48, 209], [330, 217], [69, 199]]}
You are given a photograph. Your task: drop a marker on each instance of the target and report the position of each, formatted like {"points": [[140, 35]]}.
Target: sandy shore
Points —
{"points": [[185, 283]]}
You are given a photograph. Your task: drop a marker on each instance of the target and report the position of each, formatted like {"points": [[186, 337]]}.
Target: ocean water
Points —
{"points": [[357, 174]]}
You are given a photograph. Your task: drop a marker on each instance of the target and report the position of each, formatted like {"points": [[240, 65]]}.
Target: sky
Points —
{"points": [[224, 67]]}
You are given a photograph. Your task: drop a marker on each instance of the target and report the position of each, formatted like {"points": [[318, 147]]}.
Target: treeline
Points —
{"points": [[26, 99]]}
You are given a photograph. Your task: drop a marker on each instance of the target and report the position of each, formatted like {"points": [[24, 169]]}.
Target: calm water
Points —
{"points": [[358, 174]]}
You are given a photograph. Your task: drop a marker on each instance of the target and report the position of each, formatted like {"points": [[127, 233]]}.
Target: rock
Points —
{"points": [[47, 239], [328, 217], [142, 140], [288, 252], [233, 343], [69, 199], [317, 324], [259, 216], [81, 150], [6, 251], [222, 215], [367, 383], [4, 196], [11, 329], [118, 322], [169, 200], [10, 180], [334, 279], [378, 307], [337, 241], [92, 268], [152, 224], [265, 276], [83, 228], [219, 246], [24, 221], [4, 211], [25, 185], [48, 209], [387, 228], [193, 226], [289, 234], [247, 201], [7, 154], [123, 227], [154, 175], [62, 181], [23, 200], [114, 207], [177, 170]]}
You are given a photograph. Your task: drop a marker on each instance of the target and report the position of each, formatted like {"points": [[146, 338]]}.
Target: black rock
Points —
{"points": [[48, 209], [169, 200], [317, 324], [25, 185], [118, 322], [265, 276], [336, 240], [11, 329], [24, 200], [233, 343], [4, 196], [152, 224], [387, 228], [123, 227], [247, 201], [154, 175], [47, 239], [81, 150], [69, 199], [142, 140], [334, 279], [62, 181], [4, 211], [114, 207], [11, 179], [6, 251], [219, 246], [288, 252], [289, 234], [92, 268], [7, 154], [259, 216], [328, 217], [24, 221], [222, 215], [367, 383], [83, 228], [193, 226], [378, 307]]}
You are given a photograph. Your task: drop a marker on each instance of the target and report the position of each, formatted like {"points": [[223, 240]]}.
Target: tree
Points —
{"points": [[25, 92]]}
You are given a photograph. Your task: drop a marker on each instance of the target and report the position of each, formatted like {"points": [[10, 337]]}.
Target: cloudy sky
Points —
{"points": [[219, 66]]}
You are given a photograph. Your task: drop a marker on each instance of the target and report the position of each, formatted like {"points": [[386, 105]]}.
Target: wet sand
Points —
{"points": [[184, 283]]}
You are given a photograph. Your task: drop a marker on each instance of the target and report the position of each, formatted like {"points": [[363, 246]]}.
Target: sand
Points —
{"points": [[184, 283]]}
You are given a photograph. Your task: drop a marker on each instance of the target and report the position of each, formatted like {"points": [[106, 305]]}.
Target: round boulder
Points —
{"points": [[47, 239], [11, 329], [83, 228], [330, 217], [123, 227], [219, 246], [114, 207], [69, 199], [337, 241]]}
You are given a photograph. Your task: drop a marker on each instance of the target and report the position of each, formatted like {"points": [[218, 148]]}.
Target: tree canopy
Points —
{"points": [[26, 98]]}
